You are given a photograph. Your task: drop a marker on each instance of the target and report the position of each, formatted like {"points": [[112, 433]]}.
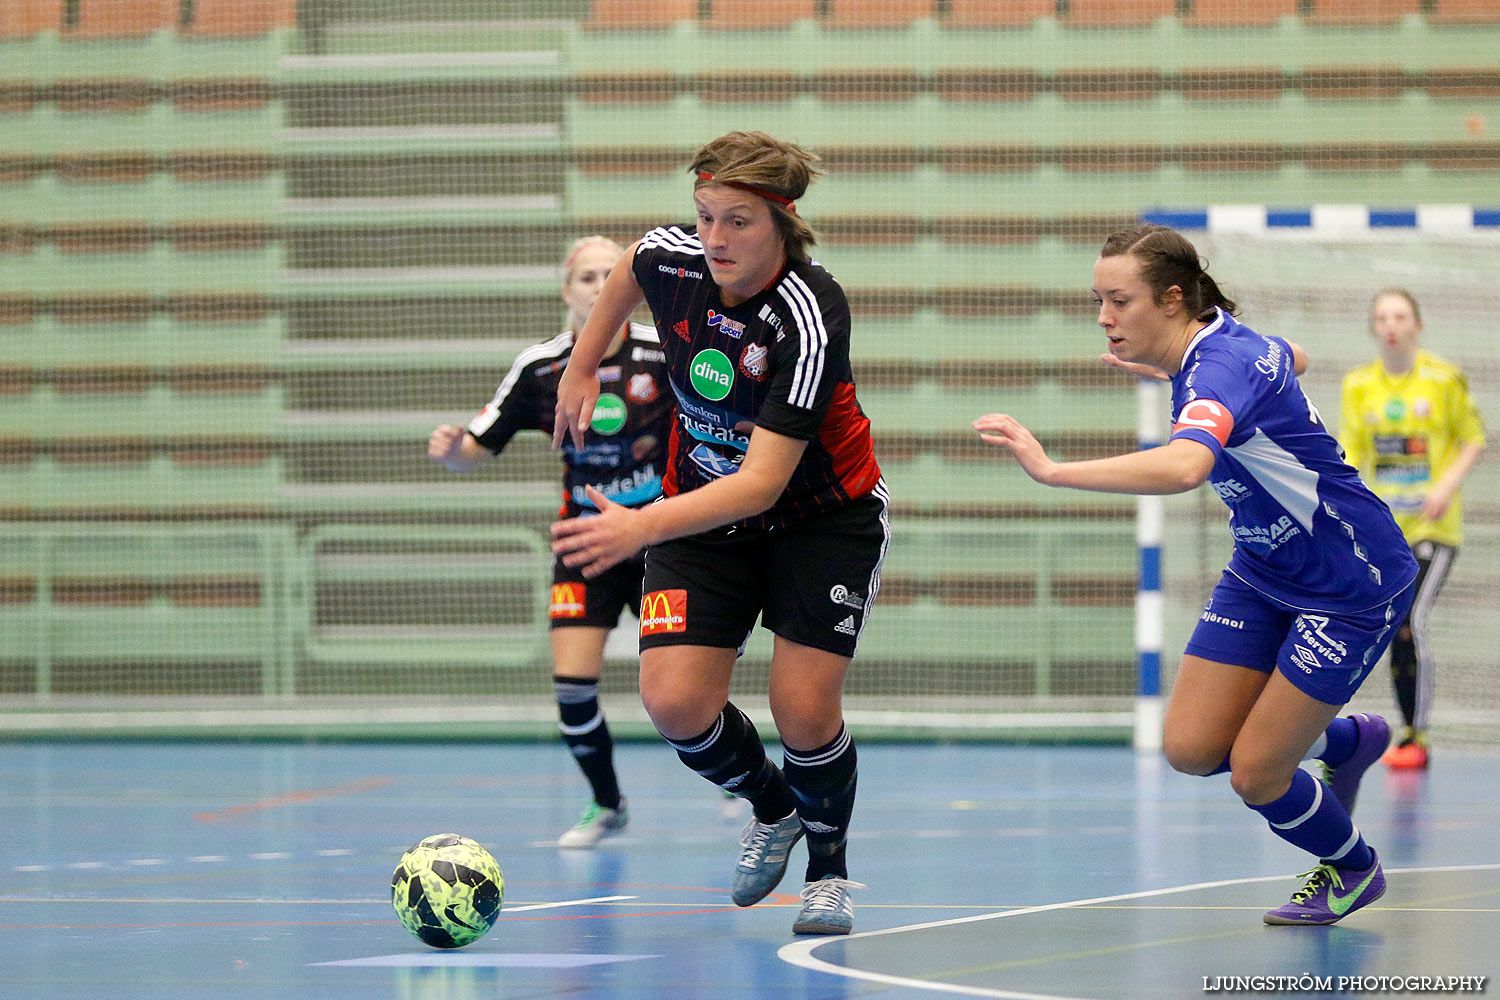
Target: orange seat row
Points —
{"points": [[731, 14], [126, 19]]}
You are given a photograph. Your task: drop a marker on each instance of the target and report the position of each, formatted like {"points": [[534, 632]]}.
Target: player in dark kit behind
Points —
{"points": [[623, 458], [774, 507]]}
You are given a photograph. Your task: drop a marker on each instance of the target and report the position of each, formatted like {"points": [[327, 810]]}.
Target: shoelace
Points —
{"points": [[1315, 878], [828, 893], [755, 838]]}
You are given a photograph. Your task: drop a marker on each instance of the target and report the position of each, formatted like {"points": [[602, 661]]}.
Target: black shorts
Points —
{"points": [[597, 602], [812, 583]]}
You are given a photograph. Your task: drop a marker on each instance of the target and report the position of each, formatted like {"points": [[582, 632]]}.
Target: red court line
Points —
{"points": [[292, 798]]}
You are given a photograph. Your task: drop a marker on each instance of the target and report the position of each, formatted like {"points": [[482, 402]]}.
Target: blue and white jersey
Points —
{"points": [[1307, 531]]}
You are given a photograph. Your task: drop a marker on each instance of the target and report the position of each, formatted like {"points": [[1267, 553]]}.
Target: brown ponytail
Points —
{"points": [[1168, 259]]}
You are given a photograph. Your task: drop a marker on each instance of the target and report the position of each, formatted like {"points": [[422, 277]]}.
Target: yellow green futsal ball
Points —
{"points": [[447, 890]]}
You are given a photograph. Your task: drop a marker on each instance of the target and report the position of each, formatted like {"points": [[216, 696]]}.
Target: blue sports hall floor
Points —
{"points": [[237, 871]]}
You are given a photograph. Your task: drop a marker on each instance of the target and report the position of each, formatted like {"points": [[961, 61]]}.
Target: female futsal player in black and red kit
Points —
{"points": [[774, 507]]}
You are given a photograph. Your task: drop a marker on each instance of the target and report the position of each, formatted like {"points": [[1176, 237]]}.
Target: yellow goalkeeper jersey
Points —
{"points": [[1403, 431]]}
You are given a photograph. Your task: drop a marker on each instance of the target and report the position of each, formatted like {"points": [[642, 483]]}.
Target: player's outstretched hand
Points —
{"points": [[576, 396], [446, 443], [1005, 431], [595, 542], [1135, 368]]}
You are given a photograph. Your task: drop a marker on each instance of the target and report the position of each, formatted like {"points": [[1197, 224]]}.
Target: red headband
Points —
{"points": [[780, 199]]}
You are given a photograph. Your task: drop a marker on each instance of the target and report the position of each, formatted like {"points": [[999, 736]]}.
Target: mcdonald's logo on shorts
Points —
{"points": [[568, 600], [664, 611]]}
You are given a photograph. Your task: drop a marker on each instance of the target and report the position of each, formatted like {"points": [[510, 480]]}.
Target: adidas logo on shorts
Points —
{"points": [[846, 626]]}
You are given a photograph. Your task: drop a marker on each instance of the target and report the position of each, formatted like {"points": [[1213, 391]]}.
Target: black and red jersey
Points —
{"points": [[779, 360], [623, 454]]}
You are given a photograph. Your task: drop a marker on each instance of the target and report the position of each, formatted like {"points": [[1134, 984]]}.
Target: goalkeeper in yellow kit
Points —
{"points": [[1409, 425]]}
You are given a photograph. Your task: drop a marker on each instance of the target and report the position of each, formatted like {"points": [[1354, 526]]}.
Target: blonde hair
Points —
{"points": [[779, 172], [582, 243]]}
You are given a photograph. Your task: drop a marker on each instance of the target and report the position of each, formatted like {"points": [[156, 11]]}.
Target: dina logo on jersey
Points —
{"points": [[712, 374], [609, 414], [732, 327]]}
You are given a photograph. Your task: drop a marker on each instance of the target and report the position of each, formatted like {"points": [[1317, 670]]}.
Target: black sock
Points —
{"points": [[730, 754], [584, 730], [823, 780], [1404, 673]]}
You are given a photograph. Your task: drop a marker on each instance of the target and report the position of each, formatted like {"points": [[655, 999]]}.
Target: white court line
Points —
{"points": [[799, 953], [566, 902]]}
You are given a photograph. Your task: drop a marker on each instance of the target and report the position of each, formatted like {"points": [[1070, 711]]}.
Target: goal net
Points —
{"points": [[252, 252]]}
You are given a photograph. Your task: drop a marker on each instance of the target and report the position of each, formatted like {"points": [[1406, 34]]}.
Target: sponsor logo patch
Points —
{"points": [[841, 594], [712, 462], [712, 374], [569, 600], [680, 272], [734, 328], [609, 414], [642, 388], [664, 611], [753, 361]]}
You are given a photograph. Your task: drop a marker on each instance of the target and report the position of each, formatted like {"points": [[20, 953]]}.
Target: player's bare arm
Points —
{"points": [[1176, 467], [578, 390], [456, 450], [616, 533]]}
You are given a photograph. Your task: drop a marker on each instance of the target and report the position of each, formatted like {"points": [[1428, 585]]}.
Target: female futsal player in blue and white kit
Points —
{"points": [[1320, 576]]}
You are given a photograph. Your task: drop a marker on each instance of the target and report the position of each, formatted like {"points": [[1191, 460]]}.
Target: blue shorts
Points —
{"points": [[1324, 654]]}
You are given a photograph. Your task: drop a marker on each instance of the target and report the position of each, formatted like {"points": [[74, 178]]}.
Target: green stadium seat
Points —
{"points": [[48, 488], [137, 407], [79, 594], [408, 563], [155, 340]]}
